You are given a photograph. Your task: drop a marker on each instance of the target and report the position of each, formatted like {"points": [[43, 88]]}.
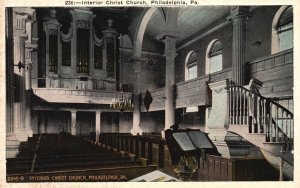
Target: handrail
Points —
{"points": [[267, 99], [262, 114]]}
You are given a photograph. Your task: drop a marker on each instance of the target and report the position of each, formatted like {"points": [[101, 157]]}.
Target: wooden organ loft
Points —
{"points": [[75, 82]]}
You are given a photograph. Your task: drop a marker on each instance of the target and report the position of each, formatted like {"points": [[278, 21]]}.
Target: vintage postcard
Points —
{"points": [[123, 91]]}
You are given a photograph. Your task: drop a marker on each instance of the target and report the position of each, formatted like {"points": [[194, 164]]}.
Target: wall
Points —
{"points": [[85, 122], [193, 120], [52, 121], [150, 122], [125, 123], [109, 122], [224, 34], [152, 77], [153, 122], [259, 27]]}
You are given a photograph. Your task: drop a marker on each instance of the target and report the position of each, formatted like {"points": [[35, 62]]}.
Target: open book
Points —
{"points": [[192, 140]]}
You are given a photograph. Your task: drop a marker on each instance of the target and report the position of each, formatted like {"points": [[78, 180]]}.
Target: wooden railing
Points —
{"points": [[262, 114], [148, 147]]}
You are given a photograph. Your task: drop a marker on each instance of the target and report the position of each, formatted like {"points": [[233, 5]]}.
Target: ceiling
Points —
{"points": [[191, 20]]}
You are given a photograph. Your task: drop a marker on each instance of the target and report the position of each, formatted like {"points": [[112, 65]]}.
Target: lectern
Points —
{"points": [[189, 142], [186, 147]]}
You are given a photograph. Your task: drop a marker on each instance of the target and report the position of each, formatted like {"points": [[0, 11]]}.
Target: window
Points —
{"points": [[285, 29], [214, 61], [282, 29], [191, 66]]}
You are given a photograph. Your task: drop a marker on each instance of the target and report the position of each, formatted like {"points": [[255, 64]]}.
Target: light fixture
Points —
{"points": [[21, 65], [122, 104]]}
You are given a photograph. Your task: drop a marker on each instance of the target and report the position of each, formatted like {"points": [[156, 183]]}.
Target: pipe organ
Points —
{"points": [[78, 59]]}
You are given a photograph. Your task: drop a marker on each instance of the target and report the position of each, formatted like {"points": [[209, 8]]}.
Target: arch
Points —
{"points": [[147, 14], [207, 58], [186, 67], [275, 39]]}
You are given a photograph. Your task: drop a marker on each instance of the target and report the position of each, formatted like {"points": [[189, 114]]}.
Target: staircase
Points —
{"points": [[264, 123]]}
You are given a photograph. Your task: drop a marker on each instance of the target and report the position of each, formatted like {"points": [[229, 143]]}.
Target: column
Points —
{"points": [[239, 16], [98, 125], [73, 122], [136, 129], [170, 54]]}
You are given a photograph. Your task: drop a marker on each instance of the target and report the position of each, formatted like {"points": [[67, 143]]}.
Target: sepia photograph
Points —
{"points": [[148, 91]]}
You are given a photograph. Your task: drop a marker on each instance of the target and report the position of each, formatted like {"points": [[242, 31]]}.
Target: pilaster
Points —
{"points": [[239, 16], [22, 31]]}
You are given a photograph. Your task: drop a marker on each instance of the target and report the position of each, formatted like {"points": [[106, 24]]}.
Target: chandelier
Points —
{"points": [[122, 104]]}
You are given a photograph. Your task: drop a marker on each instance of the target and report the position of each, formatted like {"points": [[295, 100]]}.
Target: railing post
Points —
{"points": [[253, 112], [234, 107], [276, 125], [245, 108], [283, 131], [240, 105], [271, 123]]}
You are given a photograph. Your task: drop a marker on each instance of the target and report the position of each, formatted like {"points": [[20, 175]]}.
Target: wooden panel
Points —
{"points": [[214, 168], [276, 72], [155, 153], [167, 159]]}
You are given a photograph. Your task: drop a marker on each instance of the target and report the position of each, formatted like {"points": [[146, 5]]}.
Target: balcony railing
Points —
{"points": [[84, 83], [276, 72], [64, 95]]}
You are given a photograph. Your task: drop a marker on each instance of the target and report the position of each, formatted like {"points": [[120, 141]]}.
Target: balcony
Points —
{"points": [[276, 72], [65, 95], [189, 93]]}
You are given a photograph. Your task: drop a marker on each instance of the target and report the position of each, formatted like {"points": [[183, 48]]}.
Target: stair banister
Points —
{"points": [[262, 114]]}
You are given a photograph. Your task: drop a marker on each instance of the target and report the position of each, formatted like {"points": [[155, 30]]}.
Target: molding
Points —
{"points": [[143, 52], [203, 35], [219, 86], [97, 41], [67, 37]]}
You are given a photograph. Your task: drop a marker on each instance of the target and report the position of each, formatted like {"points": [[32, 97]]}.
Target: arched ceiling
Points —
{"points": [[191, 19]]}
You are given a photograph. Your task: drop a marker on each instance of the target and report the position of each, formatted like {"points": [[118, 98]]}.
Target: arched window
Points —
{"points": [[214, 57], [282, 31], [191, 66]]}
